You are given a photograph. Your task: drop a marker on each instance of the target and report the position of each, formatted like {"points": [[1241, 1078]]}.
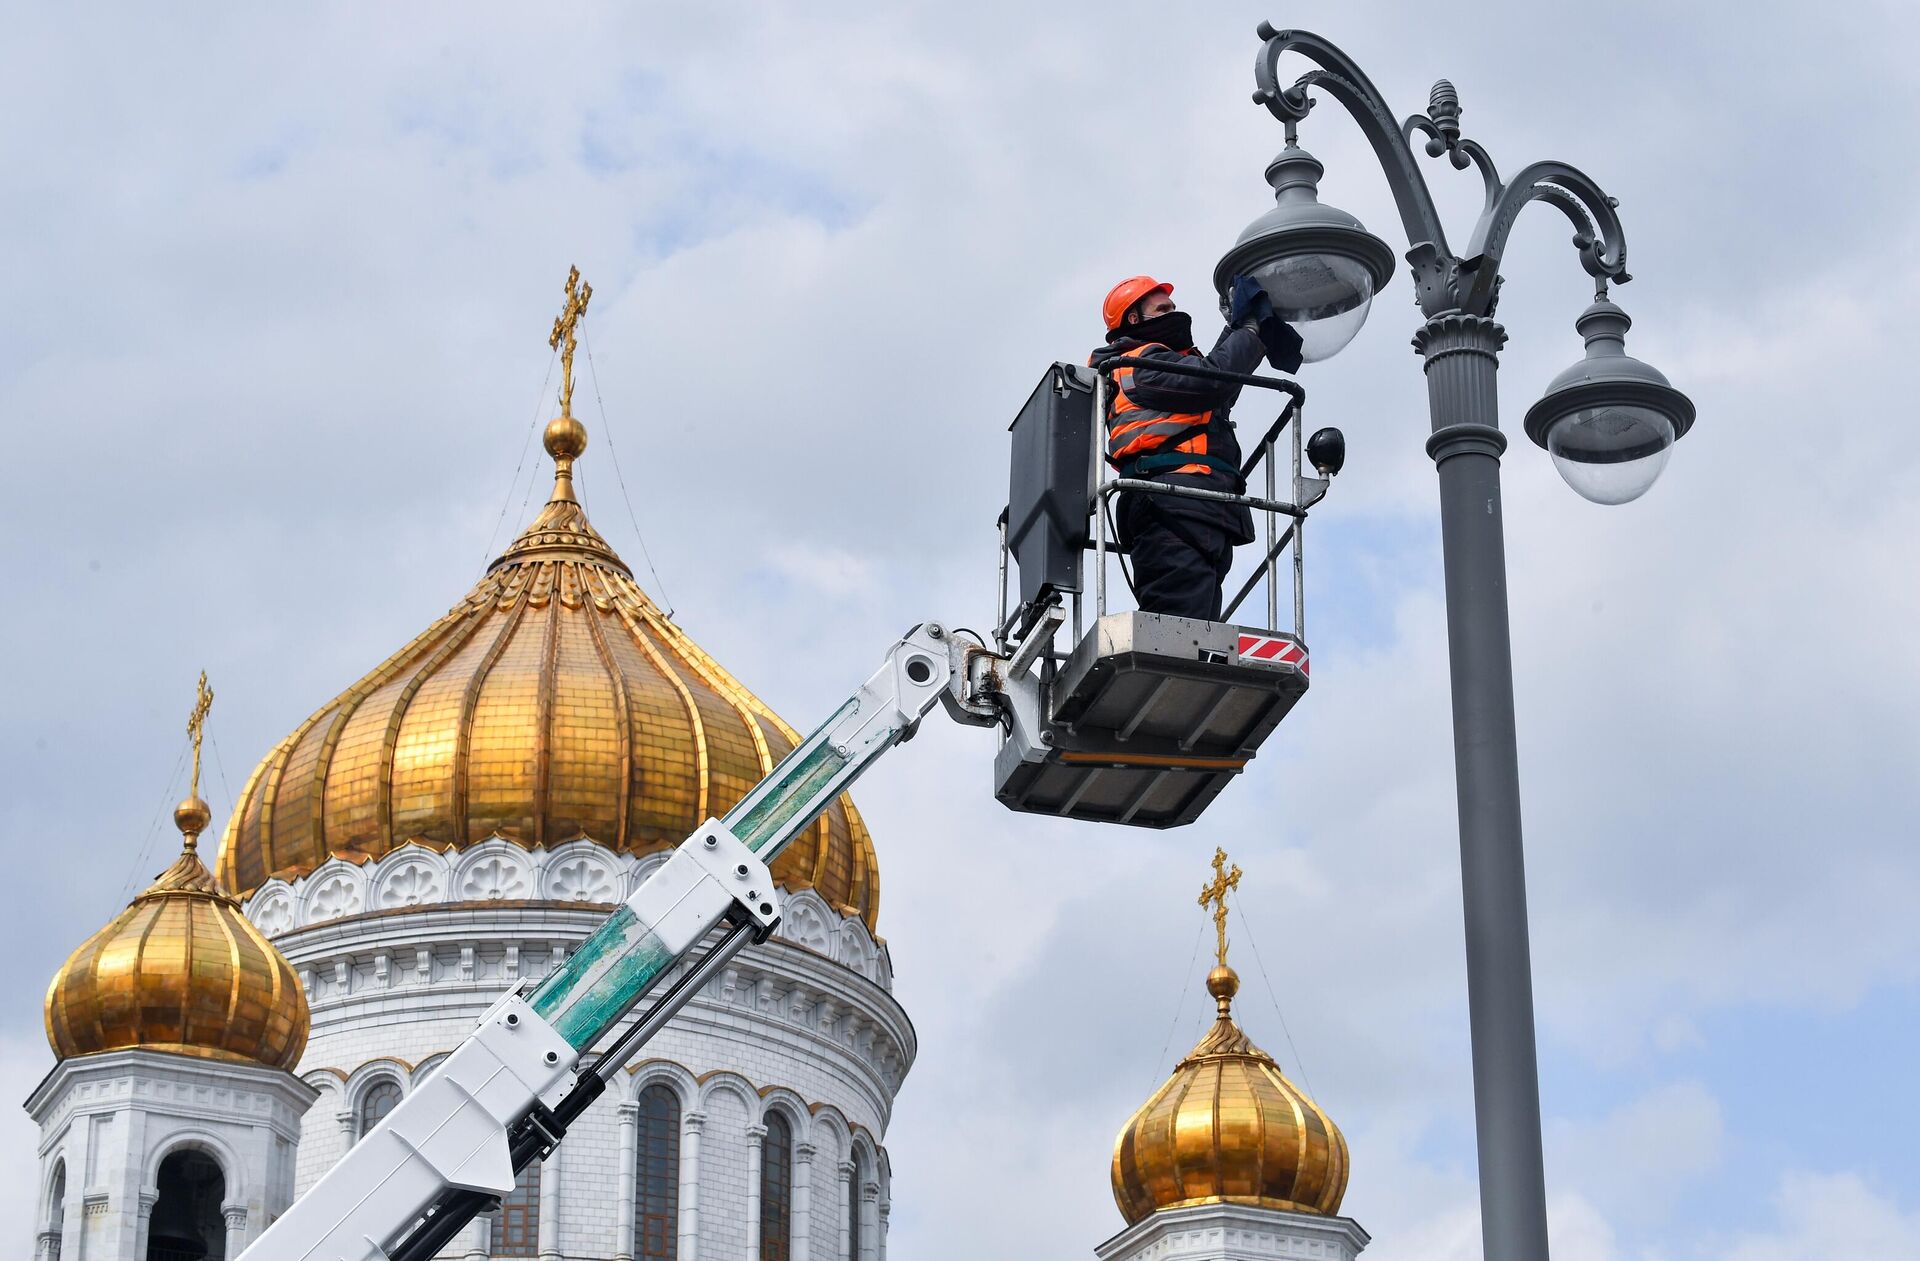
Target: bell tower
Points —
{"points": [[1269, 1168], [167, 1128]]}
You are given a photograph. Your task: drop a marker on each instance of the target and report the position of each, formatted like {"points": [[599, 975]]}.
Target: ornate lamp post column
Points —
{"points": [[1609, 422]]}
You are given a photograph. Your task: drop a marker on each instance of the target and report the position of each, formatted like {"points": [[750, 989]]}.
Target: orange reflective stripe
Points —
{"points": [[1137, 430], [1142, 436]]}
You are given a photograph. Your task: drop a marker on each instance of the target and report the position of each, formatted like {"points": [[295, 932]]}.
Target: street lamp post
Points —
{"points": [[1609, 422]]}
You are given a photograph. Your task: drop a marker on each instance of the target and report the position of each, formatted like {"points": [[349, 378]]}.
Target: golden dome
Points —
{"points": [[554, 701], [1228, 1127], [180, 970]]}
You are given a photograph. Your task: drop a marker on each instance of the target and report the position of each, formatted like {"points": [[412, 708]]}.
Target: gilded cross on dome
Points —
{"points": [[578, 295], [196, 725], [1215, 892]]}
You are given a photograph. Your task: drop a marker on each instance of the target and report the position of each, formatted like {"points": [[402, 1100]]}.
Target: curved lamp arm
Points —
{"points": [[1470, 284], [1348, 84], [1598, 236]]}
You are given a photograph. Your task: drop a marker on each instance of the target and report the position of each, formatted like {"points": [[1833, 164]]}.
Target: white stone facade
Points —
{"points": [[108, 1121], [400, 957], [1235, 1232]]}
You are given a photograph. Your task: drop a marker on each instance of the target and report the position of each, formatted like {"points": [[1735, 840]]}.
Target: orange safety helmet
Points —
{"points": [[1122, 296]]}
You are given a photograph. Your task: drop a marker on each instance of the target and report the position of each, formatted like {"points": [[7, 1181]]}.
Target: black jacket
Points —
{"points": [[1237, 350]]}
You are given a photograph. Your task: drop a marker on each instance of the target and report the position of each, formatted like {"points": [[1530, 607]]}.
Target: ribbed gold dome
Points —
{"points": [[1229, 1127], [180, 970], [555, 701]]}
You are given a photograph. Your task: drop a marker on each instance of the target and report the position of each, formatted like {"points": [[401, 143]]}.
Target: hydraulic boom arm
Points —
{"points": [[507, 1093]]}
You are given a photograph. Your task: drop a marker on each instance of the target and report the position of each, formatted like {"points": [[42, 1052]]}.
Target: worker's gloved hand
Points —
{"points": [[1282, 342], [1247, 302]]}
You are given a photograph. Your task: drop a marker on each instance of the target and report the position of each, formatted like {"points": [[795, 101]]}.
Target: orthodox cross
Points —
{"points": [[578, 295], [1215, 891], [196, 725]]}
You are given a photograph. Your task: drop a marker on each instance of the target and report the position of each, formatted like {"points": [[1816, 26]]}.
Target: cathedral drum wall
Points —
{"points": [[803, 1025]]}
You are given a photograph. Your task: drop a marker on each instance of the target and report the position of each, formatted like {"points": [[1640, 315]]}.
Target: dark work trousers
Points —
{"points": [[1179, 558]]}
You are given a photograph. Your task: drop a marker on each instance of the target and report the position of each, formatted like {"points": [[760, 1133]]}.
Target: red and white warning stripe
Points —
{"points": [[1273, 648]]}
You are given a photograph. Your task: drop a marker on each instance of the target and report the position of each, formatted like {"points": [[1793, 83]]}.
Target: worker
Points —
{"points": [[1173, 428]]}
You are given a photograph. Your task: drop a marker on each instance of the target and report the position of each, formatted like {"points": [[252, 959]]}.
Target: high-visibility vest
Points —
{"points": [[1138, 436]]}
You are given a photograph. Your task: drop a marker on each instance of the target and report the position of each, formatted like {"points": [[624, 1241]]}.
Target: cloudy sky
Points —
{"points": [[273, 311]]}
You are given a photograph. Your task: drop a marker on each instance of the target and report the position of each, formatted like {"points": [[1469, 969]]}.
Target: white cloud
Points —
{"points": [[1642, 1159], [822, 572], [1831, 1215]]}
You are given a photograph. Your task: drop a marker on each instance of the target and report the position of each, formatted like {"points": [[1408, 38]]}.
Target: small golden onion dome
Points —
{"points": [[180, 970], [555, 701], [1228, 1127]]}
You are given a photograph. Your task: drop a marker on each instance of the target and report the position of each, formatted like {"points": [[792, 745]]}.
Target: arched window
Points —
{"points": [[381, 1098], [517, 1231], [187, 1224], [776, 1190], [656, 1182], [856, 1203], [56, 1210]]}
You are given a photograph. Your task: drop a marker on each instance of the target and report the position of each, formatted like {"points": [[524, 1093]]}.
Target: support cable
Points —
{"points": [[1261, 964], [606, 427], [220, 765], [140, 859], [1186, 988], [540, 402]]}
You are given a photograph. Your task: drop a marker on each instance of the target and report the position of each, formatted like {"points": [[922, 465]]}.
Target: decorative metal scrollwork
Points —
{"points": [[1441, 125], [1444, 281]]}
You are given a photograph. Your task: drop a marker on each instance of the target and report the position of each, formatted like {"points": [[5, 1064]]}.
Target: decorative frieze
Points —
{"points": [[348, 959], [580, 871]]}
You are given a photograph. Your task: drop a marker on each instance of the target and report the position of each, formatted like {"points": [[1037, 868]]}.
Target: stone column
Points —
{"points": [[547, 1230], [46, 1246], [624, 1219], [123, 1172], [756, 1153], [880, 1236], [71, 1221], [257, 1155], [844, 1217], [869, 1210], [690, 1126], [236, 1219], [802, 1249], [142, 1219], [479, 1238]]}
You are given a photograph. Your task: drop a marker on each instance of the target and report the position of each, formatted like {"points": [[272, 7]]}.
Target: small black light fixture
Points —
{"points": [[1327, 451]]}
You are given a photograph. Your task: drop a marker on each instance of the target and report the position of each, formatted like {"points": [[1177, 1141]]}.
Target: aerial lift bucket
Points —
{"points": [[1146, 717], [1151, 716]]}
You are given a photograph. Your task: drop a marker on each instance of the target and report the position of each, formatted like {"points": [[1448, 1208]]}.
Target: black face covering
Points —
{"points": [[1174, 329]]}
